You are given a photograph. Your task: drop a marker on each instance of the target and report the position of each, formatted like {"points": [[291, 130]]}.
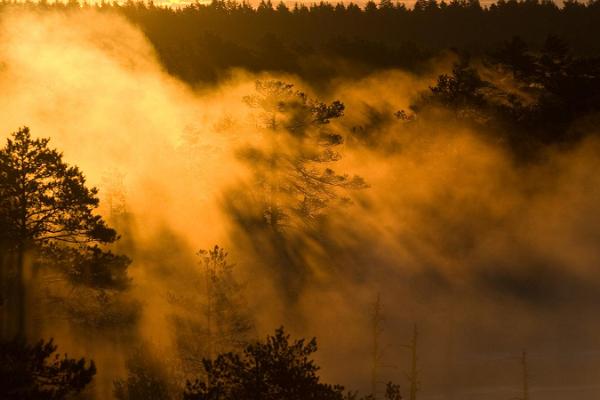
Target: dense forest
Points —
{"points": [[320, 41], [415, 186]]}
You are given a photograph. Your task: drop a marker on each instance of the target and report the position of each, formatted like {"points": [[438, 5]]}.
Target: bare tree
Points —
{"points": [[413, 375], [376, 330]]}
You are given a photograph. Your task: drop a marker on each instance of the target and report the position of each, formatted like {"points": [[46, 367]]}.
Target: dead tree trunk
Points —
{"points": [[376, 327], [525, 375], [413, 375]]}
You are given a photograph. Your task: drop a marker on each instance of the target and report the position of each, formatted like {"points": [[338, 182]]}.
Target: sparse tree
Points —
{"points": [[525, 372], [376, 330], [413, 374], [214, 319], [293, 171], [293, 187], [226, 322], [462, 91]]}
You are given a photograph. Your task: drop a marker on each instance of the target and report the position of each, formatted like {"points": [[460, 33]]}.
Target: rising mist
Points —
{"points": [[487, 253]]}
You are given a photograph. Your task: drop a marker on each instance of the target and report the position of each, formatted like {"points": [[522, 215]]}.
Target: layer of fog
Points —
{"points": [[487, 256]]}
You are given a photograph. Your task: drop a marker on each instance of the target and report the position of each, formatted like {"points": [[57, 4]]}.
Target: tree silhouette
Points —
{"points": [[293, 186], [271, 370], [35, 373], [392, 391], [197, 42], [461, 91], [294, 170], [377, 320], [524, 97], [89, 266], [43, 201], [525, 372], [214, 318], [227, 322]]}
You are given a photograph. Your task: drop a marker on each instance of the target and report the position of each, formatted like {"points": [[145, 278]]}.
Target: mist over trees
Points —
{"points": [[294, 175], [47, 210], [47, 219], [532, 98], [294, 185], [321, 41], [214, 318], [520, 76], [200, 42]]}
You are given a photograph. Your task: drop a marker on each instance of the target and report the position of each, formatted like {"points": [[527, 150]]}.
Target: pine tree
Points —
{"points": [[43, 201]]}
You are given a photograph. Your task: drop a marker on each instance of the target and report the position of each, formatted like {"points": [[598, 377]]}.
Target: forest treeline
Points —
{"points": [[321, 41], [536, 87]]}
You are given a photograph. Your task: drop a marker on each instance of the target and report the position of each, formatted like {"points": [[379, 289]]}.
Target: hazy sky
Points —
{"points": [[408, 3]]}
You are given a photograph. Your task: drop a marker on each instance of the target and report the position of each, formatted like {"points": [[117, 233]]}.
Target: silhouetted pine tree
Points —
{"points": [[271, 370], [43, 201], [34, 372]]}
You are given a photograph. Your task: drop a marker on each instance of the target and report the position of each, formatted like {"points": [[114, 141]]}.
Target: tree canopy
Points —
{"points": [[271, 370], [293, 171], [48, 211], [35, 372], [43, 199], [200, 41]]}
